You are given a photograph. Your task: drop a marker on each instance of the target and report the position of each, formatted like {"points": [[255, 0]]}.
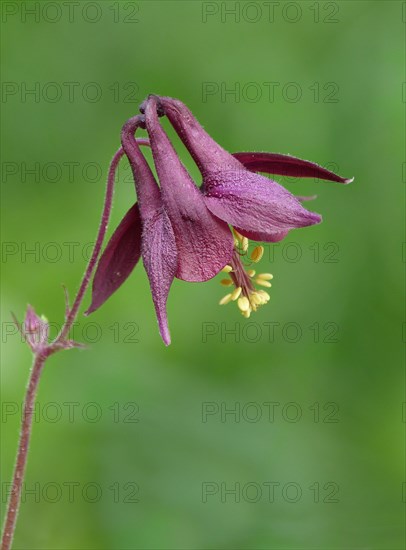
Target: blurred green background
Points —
{"points": [[136, 446]]}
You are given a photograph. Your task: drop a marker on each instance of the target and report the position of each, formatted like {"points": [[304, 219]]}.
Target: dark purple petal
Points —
{"points": [[118, 260], [158, 246], [159, 255], [255, 204], [204, 242], [286, 165]]}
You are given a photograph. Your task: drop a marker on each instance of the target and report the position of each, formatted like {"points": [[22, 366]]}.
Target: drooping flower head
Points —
{"points": [[182, 230]]}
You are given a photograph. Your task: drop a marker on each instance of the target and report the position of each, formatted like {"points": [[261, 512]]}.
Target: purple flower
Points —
{"points": [[181, 230]]}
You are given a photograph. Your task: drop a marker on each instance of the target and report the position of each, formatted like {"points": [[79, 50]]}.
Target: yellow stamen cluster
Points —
{"points": [[248, 298]]}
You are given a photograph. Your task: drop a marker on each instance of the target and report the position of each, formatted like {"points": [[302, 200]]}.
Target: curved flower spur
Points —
{"points": [[182, 230]]}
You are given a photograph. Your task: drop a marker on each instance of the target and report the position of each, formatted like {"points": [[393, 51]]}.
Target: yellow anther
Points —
{"points": [[244, 244], [225, 299], [246, 313], [266, 276], [243, 303], [257, 253], [226, 282], [236, 294], [227, 269], [256, 299], [265, 295], [251, 272], [262, 282]]}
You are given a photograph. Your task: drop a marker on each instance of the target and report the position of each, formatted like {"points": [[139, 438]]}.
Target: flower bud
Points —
{"points": [[36, 330]]}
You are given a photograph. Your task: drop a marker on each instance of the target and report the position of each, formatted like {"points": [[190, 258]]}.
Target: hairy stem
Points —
{"points": [[22, 453]]}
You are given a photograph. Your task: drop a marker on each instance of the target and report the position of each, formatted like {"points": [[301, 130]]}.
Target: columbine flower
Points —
{"points": [[258, 208], [182, 231]]}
